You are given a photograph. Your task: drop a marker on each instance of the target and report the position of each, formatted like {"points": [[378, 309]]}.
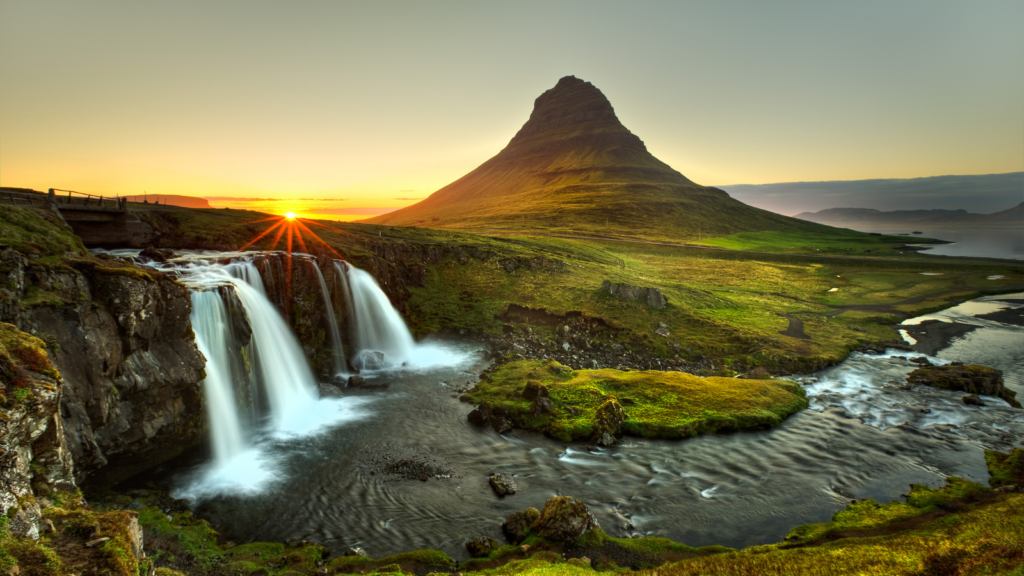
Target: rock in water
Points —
{"points": [[503, 484], [517, 524], [970, 378], [564, 519], [608, 421], [482, 546]]}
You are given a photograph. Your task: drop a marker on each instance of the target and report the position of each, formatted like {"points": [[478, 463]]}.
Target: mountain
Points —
{"points": [[171, 200], [983, 192], [573, 168], [865, 216]]}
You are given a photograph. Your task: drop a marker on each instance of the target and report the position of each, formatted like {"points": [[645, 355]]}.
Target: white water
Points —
{"points": [[278, 361], [381, 336], [210, 323], [332, 323]]}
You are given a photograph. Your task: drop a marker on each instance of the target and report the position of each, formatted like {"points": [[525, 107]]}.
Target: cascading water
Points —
{"points": [[210, 323], [332, 323], [279, 363], [381, 336]]}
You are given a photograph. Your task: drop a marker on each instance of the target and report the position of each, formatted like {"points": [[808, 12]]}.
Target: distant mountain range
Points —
{"points": [[573, 168], [171, 200], [846, 217], [983, 193]]}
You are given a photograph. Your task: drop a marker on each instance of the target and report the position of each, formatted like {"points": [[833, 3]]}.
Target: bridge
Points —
{"points": [[101, 222]]}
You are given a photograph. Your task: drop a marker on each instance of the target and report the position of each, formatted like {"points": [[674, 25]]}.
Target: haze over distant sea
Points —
{"points": [[981, 194]]}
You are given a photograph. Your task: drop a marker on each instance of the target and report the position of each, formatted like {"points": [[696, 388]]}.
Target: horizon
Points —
{"points": [[327, 110]]}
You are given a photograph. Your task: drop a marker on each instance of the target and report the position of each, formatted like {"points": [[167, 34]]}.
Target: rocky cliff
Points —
{"points": [[122, 344]]}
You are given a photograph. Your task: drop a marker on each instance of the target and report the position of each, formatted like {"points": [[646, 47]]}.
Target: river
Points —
{"points": [[360, 480]]}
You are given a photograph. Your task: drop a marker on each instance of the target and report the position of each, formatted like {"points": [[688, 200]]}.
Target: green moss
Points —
{"points": [[864, 514], [951, 496], [1005, 469], [417, 559], [656, 404], [35, 232]]}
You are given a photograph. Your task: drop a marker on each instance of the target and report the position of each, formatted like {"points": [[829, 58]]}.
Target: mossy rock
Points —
{"points": [[969, 378]]}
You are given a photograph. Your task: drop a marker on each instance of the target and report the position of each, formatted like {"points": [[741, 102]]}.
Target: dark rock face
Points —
{"points": [[517, 524], [503, 484], [649, 296], [564, 519], [970, 378], [482, 546], [123, 343]]}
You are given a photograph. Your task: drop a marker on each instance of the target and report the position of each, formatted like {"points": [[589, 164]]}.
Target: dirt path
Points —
{"points": [[795, 328]]}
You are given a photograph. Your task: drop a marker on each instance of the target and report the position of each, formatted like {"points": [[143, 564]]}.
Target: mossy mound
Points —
{"points": [[970, 378], [1005, 469], [586, 404], [37, 233]]}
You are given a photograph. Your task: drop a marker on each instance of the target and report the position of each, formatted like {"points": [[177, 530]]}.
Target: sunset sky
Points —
{"points": [[377, 104]]}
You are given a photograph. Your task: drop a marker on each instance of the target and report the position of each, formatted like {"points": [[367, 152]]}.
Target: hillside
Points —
{"points": [[867, 216], [573, 168], [171, 200]]}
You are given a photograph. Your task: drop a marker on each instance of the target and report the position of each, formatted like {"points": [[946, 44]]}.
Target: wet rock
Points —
{"points": [[970, 378], [503, 484], [480, 415], [328, 390], [354, 551], [564, 519], [500, 424], [973, 400], [156, 255], [482, 546], [534, 389], [518, 524], [921, 360], [356, 381]]}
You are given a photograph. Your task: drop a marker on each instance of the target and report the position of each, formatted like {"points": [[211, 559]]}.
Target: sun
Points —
{"points": [[290, 215]]}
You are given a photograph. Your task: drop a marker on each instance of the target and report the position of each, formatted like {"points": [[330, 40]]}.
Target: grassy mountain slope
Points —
{"points": [[574, 169]]}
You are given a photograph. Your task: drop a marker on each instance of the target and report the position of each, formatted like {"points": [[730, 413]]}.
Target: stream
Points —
{"points": [[399, 469]]}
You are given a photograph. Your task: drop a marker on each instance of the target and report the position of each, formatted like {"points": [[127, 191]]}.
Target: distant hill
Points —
{"points": [[864, 216], [983, 193], [573, 168], [172, 200]]}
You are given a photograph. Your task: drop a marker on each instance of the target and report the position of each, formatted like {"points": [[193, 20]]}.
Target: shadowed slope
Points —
{"points": [[573, 168]]}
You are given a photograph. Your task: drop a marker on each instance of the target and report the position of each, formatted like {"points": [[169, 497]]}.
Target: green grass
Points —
{"points": [[656, 404], [1005, 469], [37, 233], [821, 241]]}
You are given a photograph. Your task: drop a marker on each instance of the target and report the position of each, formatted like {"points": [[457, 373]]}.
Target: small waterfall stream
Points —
{"points": [[332, 323], [381, 336], [210, 322]]}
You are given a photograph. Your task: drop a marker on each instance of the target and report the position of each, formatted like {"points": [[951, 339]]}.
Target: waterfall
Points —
{"points": [[332, 323], [380, 334], [210, 323], [278, 360], [245, 270]]}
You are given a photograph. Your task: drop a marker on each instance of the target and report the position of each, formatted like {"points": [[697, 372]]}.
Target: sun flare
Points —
{"points": [[290, 215]]}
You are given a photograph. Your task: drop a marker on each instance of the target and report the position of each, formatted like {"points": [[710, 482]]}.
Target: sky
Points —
{"points": [[375, 105]]}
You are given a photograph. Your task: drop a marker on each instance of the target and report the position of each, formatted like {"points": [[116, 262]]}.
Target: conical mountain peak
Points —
{"points": [[574, 169], [572, 108]]}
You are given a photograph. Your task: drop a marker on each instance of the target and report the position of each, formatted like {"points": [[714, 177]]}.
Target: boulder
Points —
{"points": [[328, 390], [652, 297], [970, 378], [534, 389], [503, 484], [482, 546], [564, 519], [608, 421], [518, 524], [356, 381], [973, 400]]}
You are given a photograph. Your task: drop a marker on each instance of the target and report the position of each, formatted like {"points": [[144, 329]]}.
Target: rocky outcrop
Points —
{"points": [[564, 519], [518, 524], [122, 341], [970, 378], [608, 421], [482, 546], [649, 296], [33, 458]]}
